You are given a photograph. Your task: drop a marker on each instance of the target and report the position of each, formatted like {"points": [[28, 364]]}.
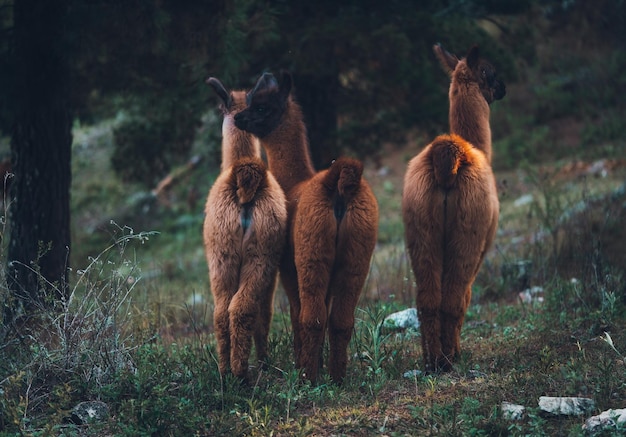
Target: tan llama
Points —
{"points": [[450, 207], [333, 222], [244, 236]]}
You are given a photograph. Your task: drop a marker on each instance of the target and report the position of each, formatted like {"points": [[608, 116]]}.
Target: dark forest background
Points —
{"points": [[364, 70]]}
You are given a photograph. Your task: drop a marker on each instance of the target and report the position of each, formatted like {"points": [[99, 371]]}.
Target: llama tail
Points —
{"points": [[248, 175], [449, 153], [342, 180], [344, 177]]}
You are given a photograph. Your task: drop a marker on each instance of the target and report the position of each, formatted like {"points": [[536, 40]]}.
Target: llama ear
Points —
{"points": [[266, 81], [286, 83], [447, 60], [220, 90], [473, 56]]}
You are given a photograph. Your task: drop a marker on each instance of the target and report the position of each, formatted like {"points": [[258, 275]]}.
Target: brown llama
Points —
{"points": [[244, 236], [332, 228], [450, 207]]}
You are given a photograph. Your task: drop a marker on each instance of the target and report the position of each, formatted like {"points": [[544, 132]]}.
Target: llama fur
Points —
{"points": [[332, 228], [244, 236], [450, 207]]}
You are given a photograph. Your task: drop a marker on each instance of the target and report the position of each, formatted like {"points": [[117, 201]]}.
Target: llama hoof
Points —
{"points": [[305, 379], [444, 366], [243, 380], [441, 365]]}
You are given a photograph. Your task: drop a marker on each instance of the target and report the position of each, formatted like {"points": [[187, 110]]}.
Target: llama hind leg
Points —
{"points": [[428, 303], [224, 278], [313, 284], [243, 311], [221, 325], [430, 328], [261, 333], [314, 258], [340, 328], [451, 336], [313, 316], [289, 281], [453, 315]]}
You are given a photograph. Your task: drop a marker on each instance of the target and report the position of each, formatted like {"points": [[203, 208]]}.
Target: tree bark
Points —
{"points": [[39, 213]]}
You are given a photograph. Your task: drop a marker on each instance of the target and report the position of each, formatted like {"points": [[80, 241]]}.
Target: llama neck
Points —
{"points": [[287, 149], [236, 144], [469, 116]]}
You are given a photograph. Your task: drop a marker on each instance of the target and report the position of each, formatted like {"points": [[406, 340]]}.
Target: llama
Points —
{"points": [[244, 236], [450, 207], [332, 228]]}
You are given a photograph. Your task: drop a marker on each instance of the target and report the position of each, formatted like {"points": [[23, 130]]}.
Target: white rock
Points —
{"points": [[89, 412], [512, 411], [568, 406], [523, 200], [406, 319], [599, 168], [413, 374], [606, 419], [532, 295]]}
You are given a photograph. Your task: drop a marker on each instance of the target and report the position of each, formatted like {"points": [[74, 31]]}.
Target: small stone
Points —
{"points": [[512, 411], [605, 420], [532, 295], [89, 412], [475, 374], [568, 406], [406, 319], [523, 200], [413, 374]]}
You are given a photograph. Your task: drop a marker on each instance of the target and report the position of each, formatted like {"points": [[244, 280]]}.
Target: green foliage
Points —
{"points": [[163, 393], [154, 137], [371, 342], [523, 144], [74, 347], [605, 128]]}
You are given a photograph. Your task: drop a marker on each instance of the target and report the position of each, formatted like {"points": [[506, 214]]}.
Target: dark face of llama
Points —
{"points": [[267, 103], [485, 74], [491, 87]]}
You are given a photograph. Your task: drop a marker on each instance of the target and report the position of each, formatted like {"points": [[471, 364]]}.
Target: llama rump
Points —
{"points": [[450, 207], [244, 236], [332, 228]]}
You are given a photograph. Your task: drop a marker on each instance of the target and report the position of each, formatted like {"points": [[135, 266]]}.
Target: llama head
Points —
{"points": [[266, 104], [235, 142], [472, 68], [232, 103]]}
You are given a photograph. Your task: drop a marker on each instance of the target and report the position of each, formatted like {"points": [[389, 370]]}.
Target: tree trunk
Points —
{"points": [[38, 253]]}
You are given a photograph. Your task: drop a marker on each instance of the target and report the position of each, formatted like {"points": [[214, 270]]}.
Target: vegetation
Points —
{"points": [[136, 333], [135, 328]]}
